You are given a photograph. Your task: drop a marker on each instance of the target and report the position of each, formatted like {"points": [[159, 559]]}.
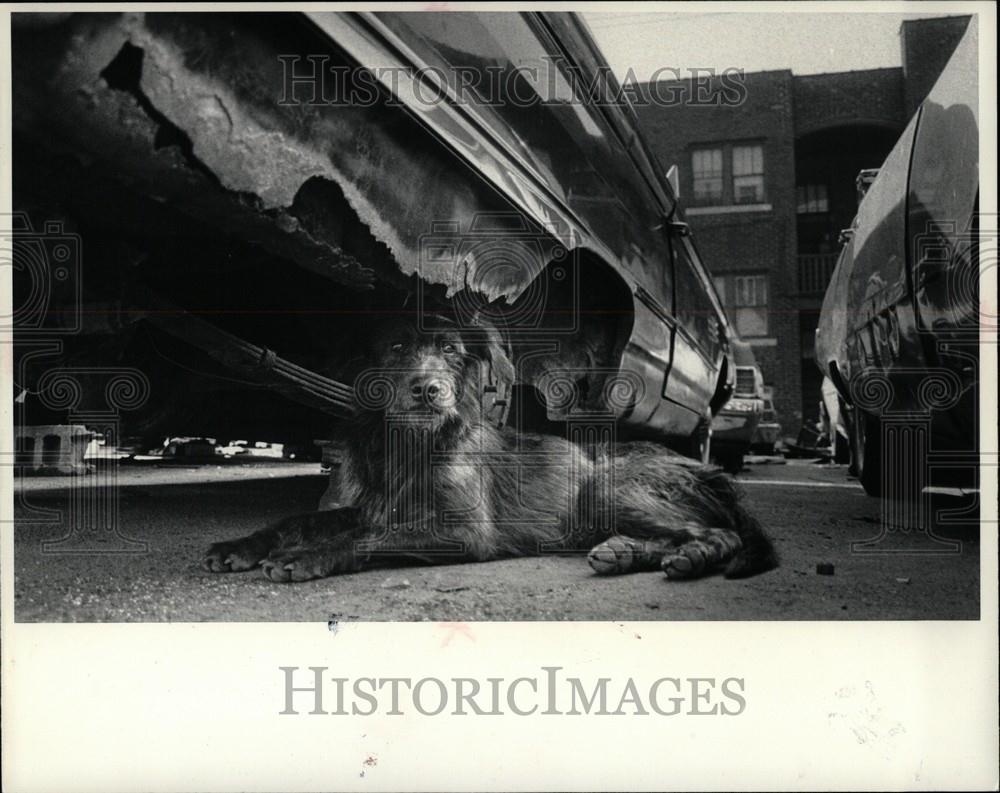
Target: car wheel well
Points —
{"points": [[589, 313], [722, 390]]}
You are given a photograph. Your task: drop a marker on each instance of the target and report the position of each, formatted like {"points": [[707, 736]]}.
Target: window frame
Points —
{"points": [[756, 153], [732, 289], [729, 175], [721, 177], [808, 199]]}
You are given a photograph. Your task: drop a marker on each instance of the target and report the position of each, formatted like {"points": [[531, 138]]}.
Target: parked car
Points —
{"points": [[253, 189], [736, 424], [189, 448], [233, 448], [899, 330], [768, 432]]}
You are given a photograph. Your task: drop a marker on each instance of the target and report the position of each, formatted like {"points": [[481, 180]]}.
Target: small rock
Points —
{"points": [[824, 568], [395, 583], [902, 580]]}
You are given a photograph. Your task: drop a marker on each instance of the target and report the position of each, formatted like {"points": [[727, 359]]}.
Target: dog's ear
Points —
{"points": [[487, 343]]}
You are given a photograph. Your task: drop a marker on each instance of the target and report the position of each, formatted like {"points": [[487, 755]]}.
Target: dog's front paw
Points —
{"points": [[234, 556], [690, 560], [612, 557], [621, 554], [305, 564]]}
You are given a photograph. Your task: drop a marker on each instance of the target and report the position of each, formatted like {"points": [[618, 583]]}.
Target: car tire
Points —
{"points": [[731, 462], [701, 442], [842, 447], [866, 450]]}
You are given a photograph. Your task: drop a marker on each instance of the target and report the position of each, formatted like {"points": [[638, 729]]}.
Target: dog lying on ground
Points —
{"points": [[429, 480]]}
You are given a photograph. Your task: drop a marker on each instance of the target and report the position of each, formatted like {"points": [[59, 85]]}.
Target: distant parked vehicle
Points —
{"points": [[233, 448], [765, 439], [734, 427], [899, 330], [200, 448]]}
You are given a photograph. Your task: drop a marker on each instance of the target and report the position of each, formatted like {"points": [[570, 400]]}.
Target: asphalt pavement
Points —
{"points": [[816, 514]]}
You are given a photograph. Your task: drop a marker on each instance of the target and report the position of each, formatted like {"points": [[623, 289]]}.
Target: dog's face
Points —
{"points": [[437, 373], [427, 368]]}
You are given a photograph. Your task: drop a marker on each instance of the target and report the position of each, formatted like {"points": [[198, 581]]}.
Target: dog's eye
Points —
{"points": [[448, 347], [397, 346]]}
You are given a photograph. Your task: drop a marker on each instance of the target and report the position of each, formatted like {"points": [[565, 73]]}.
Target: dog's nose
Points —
{"points": [[428, 390]]}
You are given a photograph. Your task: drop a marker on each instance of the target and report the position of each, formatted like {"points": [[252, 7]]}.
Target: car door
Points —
{"points": [[698, 334]]}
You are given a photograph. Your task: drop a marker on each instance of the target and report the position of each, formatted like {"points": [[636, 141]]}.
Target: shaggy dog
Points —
{"points": [[429, 479]]}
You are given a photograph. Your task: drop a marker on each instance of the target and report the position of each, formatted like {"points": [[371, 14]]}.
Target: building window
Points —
{"points": [[748, 174], [728, 174], [706, 167], [745, 300], [811, 199]]}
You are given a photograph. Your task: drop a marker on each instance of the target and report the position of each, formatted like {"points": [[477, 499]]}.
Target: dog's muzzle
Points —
{"points": [[436, 393]]}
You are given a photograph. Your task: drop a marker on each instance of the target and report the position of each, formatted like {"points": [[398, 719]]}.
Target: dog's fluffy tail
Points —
{"points": [[758, 554]]}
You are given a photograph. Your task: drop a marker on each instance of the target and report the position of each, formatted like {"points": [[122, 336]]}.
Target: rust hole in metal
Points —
{"points": [[124, 73]]}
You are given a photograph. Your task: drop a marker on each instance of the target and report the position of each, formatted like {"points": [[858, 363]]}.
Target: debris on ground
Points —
{"points": [[764, 459], [395, 583], [824, 568]]}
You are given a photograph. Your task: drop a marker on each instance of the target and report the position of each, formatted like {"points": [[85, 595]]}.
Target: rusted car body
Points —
{"points": [[257, 187], [735, 426], [899, 329]]}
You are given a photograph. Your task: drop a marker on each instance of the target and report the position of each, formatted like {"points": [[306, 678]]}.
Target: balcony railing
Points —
{"points": [[815, 270]]}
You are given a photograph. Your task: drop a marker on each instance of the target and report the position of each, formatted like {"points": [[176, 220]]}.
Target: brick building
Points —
{"points": [[768, 181]]}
